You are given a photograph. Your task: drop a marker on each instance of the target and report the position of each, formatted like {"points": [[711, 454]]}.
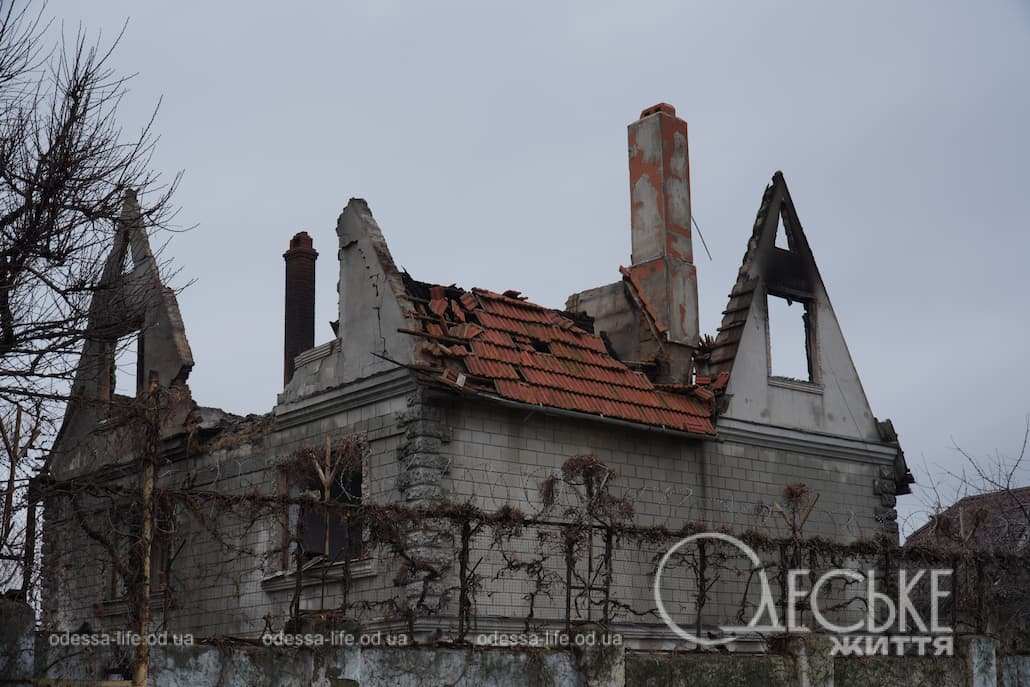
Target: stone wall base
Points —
{"points": [[795, 662]]}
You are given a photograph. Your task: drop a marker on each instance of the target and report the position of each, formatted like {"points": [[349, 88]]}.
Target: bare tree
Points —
{"points": [[23, 431], [999, 481], [977, 510], [66, 167], [65, 163]]}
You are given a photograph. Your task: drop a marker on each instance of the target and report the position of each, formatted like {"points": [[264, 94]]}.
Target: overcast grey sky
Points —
{"points": [[489, 140]]}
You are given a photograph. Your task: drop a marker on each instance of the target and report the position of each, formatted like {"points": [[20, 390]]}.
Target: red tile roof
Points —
{"points": [[501, 345], [993, 520]]}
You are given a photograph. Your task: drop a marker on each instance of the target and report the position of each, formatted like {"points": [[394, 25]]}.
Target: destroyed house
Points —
{"points": [[472, 396]]}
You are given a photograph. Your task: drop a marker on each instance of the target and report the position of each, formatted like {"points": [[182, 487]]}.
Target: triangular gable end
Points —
{"points": [[374, 304], [130, 298], [831, 399]]}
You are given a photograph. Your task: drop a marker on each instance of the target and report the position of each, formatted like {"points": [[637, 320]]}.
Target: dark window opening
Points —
{"points": [[126, 539], [540, 346], [334, 532], [790, 339]]}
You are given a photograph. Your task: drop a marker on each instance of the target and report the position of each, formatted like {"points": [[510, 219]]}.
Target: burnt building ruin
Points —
{"points": [[468, 396]]}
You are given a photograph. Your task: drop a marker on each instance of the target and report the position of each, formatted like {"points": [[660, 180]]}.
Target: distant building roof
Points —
{"points": [[996, 519]]}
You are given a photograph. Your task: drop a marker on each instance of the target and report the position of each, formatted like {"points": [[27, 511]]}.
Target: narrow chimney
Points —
{"points": [[300, 300], [663, 258]]}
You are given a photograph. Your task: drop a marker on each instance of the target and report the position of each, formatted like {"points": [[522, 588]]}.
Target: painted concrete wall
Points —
{"points": [[661, 669], [613, 314], [375, 666], [207, 666], [834, 404], [911, 671]]}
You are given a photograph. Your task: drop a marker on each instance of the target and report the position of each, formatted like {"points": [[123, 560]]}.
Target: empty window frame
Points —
{"points": [[332, 533], [126, 372], [791, 339], [782, 240]]}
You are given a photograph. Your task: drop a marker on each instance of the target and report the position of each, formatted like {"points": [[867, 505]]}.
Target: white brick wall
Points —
{"points": [[495, 456], [501, 456]]}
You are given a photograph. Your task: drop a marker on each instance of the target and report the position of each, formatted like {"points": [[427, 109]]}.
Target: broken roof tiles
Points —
{"points": [[723, 350], [503, 346]]}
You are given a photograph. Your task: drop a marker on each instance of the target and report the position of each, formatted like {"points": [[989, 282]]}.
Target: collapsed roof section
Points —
{"points": [[497, 347], [630, 350], [503, 347], [132, 301]]}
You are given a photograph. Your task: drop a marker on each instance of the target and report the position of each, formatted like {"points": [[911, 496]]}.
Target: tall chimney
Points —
{"points": [[300, 300], [663, 258]]}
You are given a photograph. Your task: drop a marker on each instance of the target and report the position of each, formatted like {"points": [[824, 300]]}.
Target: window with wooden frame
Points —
{"points": [[334, 531], [326, 524]]}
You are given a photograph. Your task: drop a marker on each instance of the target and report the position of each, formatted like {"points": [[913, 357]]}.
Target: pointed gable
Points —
{"points": [[373, 301], [130, 299], [831, 398]]}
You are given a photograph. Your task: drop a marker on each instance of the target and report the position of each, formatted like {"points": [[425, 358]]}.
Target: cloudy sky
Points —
{"points": [[489, 140]]}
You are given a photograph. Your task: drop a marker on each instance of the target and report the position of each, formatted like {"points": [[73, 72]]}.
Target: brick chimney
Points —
{"points": [[663, 257], [300, 300]]}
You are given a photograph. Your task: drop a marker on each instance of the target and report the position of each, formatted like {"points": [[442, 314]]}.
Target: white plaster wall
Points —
{"points": [[836, 405]]}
